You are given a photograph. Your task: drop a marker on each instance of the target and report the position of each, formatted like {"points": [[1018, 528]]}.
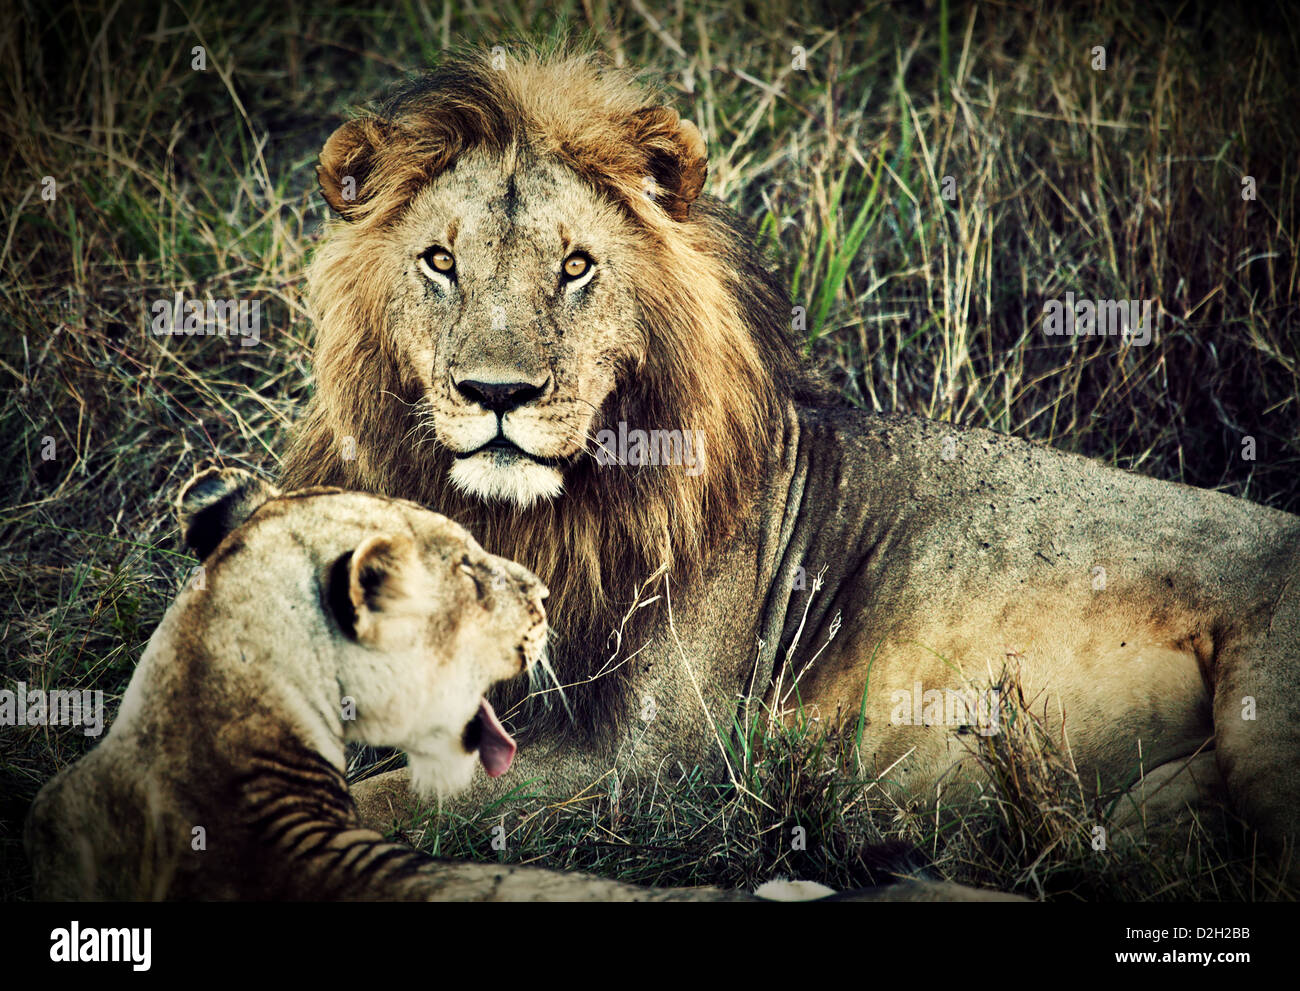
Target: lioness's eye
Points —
{"points": [[437, 260], [577, 265], [467, 569]]}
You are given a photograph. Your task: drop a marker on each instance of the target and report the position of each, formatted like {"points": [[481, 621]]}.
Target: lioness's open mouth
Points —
{"points": [[484, 733]]}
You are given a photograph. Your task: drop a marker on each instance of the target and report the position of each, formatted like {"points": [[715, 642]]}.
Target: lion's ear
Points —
{"points": [[366, 582], [679, 159], [345, 164], [215, 502]]}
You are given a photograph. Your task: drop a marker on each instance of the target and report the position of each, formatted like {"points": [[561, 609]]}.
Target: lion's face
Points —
{"points": [[511, 240], [516, 316]]}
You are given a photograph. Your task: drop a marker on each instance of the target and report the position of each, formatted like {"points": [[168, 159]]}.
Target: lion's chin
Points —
{"points": [[516, 479]]}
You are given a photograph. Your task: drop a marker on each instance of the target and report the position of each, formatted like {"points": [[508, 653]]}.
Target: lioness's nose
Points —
{"points": [[500, 397]]}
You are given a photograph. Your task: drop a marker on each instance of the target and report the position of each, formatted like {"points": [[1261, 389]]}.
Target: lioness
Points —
{"points": [[531, 319], [322, 617]]}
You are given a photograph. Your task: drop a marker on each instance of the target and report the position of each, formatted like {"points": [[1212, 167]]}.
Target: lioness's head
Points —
{"points": [[393, 612]]}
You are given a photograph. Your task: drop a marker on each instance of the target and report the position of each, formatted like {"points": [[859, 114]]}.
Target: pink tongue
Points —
{"points": [[495, 748]]}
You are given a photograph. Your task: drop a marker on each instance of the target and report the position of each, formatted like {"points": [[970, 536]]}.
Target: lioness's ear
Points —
{"points": [[679, 159], [345, 163], [365, 582], [216, 501]]}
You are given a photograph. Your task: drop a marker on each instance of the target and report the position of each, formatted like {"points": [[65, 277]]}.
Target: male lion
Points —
{"points": [[529, 318]]}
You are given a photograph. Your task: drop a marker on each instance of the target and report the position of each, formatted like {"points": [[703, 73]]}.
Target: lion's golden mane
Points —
{"points": [[720, 359]]}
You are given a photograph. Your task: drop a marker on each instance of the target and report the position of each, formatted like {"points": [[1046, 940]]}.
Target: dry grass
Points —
{"points": [[1124, 183]]}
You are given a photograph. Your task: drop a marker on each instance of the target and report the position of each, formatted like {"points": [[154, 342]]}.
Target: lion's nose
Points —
{"points": [[500, 397]]}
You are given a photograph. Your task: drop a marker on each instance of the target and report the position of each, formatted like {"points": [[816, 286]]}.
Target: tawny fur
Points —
{"points": [[323, 617], [712, 354], [952, 557]]}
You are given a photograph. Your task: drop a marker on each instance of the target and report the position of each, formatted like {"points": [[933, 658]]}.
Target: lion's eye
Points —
{"points": [[577, 265], [437, 261]]}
